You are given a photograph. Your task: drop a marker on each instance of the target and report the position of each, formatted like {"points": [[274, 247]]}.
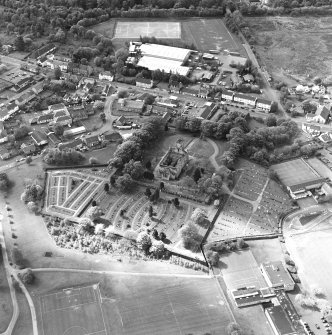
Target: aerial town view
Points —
{"points": [[165, 167]]}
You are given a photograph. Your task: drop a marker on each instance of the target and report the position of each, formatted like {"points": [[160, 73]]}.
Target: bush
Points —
{"points": [[27, 276], [190, 237], [212, 257], [93, 160], [143, 241]]}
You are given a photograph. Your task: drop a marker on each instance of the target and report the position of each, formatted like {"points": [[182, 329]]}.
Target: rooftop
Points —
{"points": [[280, 320], [277, 273], [164, 52]]}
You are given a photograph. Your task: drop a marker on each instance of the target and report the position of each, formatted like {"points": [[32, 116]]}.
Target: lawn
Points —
{"points": [[6, 307], [24, 322], [282, 46], [311, 253], [210, 34], [200, 149], [266, 250], [138, 305], [223, 146]]}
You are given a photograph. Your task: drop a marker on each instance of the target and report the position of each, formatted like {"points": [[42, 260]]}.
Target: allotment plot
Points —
{"points": [[135, 29]]}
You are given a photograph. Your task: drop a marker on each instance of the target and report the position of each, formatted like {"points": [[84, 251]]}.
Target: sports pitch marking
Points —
{"points": [[134, 29], [59, 306]]}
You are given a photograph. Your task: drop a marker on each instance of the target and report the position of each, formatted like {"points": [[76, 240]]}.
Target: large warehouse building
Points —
{"points": [[164, 58]]}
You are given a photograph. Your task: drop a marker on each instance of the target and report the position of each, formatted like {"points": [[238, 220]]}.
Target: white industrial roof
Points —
{"points": [[165, 52], [153, 63]]}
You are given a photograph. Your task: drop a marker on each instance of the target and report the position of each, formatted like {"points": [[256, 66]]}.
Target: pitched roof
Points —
{"points": [[323, 112], [264, 101], [143, 80], [225, 92], [63, 118], [45, 117], [70, 145], [244, 96], [92, 139], [310, 184]]}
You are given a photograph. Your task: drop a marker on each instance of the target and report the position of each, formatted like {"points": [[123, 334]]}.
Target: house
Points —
{"points": [[122, 121], [248, 78], [322, 114], [106, 76], [134, 106], [4, 153], [310, 117], [203, 92], [12, 108], [311, 129], [176, 87], [44, 50], [67, 97], [277, 276], [7, 48], [53, 138], [45, 118], [77, 143], [30, 67], [326, 189], [24, 98], [39, 138], [58, 107], [3, 134], [160, 110], [227, 95], [84, 81], [62, 58], [63, 120], [28, 149], [22, 84], [205, 112], [245, 99], [190, 91], [325, 137], [106, 90], [144, 83], [264, 104], [78, 114], [92, 141], [38, 88], [217, 96]]}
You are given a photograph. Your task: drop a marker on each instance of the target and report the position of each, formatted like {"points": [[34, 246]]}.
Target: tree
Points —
{"points": [[4, 182], [162, 236], [147, 192], [157, 248], [134, 169], [187, 181], [93, 213], [197, 174], [19, 43], [21, 132], [32, 206], [155, 195], [94, 203], [93, 160], [98, 106], [144, 241], [102, 116], [211, 186], [28, 160], [155, 234], [212, 257], [234, 329], [106, 187], [150, 211], [123, 94], [26, 276], [17, 258], [57, 73], [176, 202], [125, 182], [58, 129], [271, 120], [199, 216], [240, 243], [32, 193], [99, 229], [190, 237], [148, 165], [161, 185]]}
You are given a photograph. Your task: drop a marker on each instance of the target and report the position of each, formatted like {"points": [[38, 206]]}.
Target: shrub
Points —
{"points": [[27, 276], [144, 241]]}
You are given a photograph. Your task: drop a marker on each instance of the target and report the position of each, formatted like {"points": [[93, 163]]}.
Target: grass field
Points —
{"points": [[295, 172], [134, 306], [210, 34], [282, 45], [135, 29], [311, 252]]}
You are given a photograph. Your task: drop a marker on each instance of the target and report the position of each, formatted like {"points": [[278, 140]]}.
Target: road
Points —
{"points": [[268, 91], [8, 268]]}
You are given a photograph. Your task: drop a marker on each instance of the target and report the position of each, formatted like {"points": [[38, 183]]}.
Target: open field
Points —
{"points": [[210, 34], [295, 171], [206, 34], [266, 250], [282, 45], [132, 305], [311, 253], [24, 322], [135, 29]]}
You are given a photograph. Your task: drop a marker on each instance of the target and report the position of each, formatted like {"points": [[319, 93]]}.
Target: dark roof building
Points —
{"points": [[279, 321], [39, 138], [71, 145]]}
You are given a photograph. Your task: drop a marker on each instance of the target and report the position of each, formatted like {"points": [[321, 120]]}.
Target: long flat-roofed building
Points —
{"points": [[164, 58], [277, 276], [279, 321]]}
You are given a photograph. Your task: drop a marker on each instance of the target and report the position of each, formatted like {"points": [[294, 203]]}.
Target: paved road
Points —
{"points": [[8, 268]]}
